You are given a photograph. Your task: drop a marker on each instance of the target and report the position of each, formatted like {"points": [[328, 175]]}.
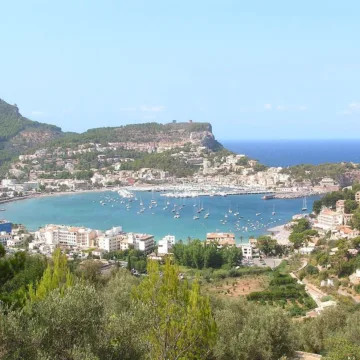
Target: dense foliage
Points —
{"points": [[163, 161], [75, 312], [198, 255], [315, 173]]}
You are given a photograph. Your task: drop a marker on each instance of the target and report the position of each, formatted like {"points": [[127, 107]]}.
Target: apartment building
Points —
{"points": [[66, 236], [142, 242], [220, 238], [113, 239], [329, 219], [165, 244]]}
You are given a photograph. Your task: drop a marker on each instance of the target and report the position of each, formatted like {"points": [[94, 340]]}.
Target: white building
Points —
{"points": [[142, 242], [112, 240], [4, 238], [247, 251], [66, 235], [329, 219], [165, 244]]}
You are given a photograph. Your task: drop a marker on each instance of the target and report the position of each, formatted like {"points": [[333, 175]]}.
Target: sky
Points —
{"points": [[253, 69]]}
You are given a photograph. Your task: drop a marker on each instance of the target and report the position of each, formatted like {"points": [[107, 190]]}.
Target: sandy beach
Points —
{"points": [[281, 234]]}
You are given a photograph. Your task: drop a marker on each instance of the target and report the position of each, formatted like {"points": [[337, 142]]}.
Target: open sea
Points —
{"points": [[293, 152], [85, 209]]}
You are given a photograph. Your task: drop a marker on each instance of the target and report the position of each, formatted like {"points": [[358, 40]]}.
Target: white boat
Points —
{"points": [[206, 215], [304, 207], [196, 218], [273, 212], [258, 214]]}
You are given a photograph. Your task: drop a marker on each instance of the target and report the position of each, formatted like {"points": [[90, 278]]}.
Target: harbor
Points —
{"points": [[148, 212]]}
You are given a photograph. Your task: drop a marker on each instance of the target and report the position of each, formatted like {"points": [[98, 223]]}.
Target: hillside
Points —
{"points": [[19, 134], [157, 134]]}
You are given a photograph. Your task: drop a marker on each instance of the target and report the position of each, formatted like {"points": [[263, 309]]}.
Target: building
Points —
{"points": [[357, 197], [247, 251], [340, 206], [165, 244], [221, 239], [112, 239], [142, 242], [66, 236], [329, 219], [5, 226], [4, 238]]}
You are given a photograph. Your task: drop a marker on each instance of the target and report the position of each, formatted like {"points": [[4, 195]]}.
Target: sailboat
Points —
{"points": [[304, 207], [273, 212]]}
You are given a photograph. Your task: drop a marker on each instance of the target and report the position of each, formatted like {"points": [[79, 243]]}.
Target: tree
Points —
{"points": [[317, 205], [350, 206], [56, 276], [266, 244], [251, 331], [2, 251], [182, 326]]}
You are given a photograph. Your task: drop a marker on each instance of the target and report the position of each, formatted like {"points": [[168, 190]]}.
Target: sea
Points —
{"points": [[84, 209], [294, 152]]}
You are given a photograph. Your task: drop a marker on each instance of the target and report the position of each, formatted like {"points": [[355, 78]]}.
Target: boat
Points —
{"points": [[273, 212], [177, 216], [196, 218], [268, 197], [258, 214], [304, 207], [2, 209]]}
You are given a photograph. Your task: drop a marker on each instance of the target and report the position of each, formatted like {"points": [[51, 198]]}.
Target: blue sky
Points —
{"points": [[254, 69]]}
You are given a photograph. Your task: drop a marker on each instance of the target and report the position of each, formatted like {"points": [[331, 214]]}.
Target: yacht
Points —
{"points": [[304, 207], [273, 212], [196, 218], [258, 214]]}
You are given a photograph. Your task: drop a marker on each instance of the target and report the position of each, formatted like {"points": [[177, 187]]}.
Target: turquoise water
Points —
{"points": [[85, 209]]}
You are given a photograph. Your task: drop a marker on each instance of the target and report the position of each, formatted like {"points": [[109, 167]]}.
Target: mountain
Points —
{"points": [[154, 133], [19, 134]]}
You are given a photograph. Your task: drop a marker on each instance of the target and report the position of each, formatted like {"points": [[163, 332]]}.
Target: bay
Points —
{"points": [[84, 209]]}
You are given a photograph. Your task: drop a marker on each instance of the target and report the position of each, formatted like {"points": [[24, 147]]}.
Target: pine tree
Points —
{"points": [[56, 276], [181, 322]]}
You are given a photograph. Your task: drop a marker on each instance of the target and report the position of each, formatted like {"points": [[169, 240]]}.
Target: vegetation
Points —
{"points": [[196, 254], [269, 246], [329, 200], [73, 311], [301, 233], [285, 292], [163, 161], [315, 173]]}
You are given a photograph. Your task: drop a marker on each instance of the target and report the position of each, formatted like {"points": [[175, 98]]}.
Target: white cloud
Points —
{"points": [[352, 108], [267, 106], [128, 109], [37, 113], [147, 108], [302, 108], [280, 108]]}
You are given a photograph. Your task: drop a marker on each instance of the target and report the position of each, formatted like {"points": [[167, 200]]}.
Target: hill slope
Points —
{"points": [[19, 134], [145, 133]]}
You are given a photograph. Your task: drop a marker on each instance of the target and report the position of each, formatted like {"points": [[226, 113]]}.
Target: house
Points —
{"points": [[221, 239]]}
